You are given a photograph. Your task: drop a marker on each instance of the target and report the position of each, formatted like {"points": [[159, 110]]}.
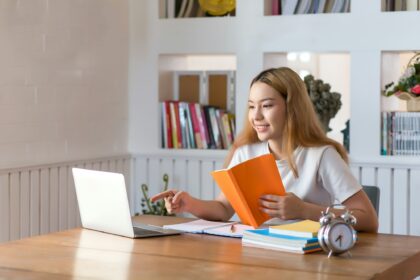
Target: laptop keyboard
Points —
{"points": [[142, 231]]}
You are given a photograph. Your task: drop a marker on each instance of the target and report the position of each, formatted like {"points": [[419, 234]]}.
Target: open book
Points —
{"points": [[230, 229], [246, 182]]}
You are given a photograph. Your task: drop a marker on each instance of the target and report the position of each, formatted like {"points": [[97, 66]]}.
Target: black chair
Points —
{"points": [[373, 193]]}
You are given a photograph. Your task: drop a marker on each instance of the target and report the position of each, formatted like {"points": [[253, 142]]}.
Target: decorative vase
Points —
{"points": [[413, 103]]}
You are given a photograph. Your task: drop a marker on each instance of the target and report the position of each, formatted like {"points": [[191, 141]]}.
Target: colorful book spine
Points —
{"points": [[174, 124], [183, 121], [196, 126], [400, 133], [190, 127], [203, 126], [212, 141], [206, 129]]}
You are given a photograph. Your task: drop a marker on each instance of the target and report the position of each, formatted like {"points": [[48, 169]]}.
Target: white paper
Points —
{"points": [[210, 227]]}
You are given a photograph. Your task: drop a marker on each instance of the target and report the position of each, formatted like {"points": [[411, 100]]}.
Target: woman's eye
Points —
{"points": [[250, 107], [267, 105]]}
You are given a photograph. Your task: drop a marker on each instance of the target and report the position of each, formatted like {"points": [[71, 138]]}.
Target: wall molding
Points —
{"points": [[41, 198]]}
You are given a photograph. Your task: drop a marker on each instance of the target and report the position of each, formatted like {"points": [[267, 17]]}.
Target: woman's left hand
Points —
{"points": [[285, 207]]}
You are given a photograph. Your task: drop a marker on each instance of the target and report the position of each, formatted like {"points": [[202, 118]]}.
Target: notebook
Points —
{"points": [[103, 205], [229, 229]]}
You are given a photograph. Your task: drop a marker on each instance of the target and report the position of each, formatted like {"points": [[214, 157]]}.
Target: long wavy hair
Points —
{"points": [[302, 127]]}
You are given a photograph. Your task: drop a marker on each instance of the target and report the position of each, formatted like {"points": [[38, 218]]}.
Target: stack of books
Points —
{"points": [[192, 126], [299, 237], [400, 133]]}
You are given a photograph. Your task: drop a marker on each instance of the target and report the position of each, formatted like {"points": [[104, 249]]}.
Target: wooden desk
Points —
{"points": [[81, 253]]}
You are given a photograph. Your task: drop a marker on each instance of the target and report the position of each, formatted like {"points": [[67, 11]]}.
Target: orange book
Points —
{"points": [[244, 183]]}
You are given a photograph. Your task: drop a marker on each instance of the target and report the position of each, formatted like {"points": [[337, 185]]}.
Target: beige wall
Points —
{"points": [[63, 80]]}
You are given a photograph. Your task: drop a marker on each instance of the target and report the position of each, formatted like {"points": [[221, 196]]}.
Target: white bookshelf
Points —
{"points": [[365, 36]]}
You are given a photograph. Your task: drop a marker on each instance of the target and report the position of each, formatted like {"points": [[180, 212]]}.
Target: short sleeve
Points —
{"points": [[236, 158], [336, 176]]}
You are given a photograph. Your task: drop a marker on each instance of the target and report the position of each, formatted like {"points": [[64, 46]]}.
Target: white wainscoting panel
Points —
{"points": [[41, 199], [186, 172], [399, 184]]}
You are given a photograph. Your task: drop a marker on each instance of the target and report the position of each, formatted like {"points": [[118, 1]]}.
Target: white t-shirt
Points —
{"points": [[324, 177]]}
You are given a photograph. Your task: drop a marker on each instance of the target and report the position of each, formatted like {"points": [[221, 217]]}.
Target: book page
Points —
{"points": [[232, 230], [197, 226]]}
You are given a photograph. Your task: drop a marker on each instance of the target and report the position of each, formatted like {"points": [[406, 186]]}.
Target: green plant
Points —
{"points": [[326, 103], [157, 208], [409, 81]]}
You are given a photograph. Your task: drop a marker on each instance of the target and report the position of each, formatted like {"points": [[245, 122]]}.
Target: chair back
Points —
{"points": [[373, 193]]}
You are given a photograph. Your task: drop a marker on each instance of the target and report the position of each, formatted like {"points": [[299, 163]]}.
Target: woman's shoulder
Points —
{"points": [[318, 152], [253, 150]]}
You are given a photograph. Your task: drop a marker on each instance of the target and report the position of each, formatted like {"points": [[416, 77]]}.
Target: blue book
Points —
{"points": [[264, 235]]}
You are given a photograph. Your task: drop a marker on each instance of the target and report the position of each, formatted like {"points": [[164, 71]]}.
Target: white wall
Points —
{"points": [[63, 80]]}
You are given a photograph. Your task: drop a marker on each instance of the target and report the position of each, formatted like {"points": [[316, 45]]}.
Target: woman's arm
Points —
{"points": [[359, 204], [180, 201], [213, 210], [292, 207]]}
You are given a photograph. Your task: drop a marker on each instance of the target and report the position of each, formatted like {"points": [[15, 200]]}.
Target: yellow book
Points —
{"points": [[306, 228]]}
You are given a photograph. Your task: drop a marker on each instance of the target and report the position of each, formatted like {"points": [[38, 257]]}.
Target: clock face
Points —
{"points": [[341, 237]]}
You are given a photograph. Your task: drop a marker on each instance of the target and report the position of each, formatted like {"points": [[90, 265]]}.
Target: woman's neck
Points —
{"points": [[276, 149]]}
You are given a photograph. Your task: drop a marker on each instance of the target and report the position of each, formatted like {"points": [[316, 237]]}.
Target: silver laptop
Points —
{"points": [[103, 205]]}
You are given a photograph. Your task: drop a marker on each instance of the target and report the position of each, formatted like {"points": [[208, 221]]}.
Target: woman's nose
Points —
{"points": [[257, 114]]}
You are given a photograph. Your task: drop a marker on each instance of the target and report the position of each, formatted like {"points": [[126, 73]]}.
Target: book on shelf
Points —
{"points": [[338, 6], [214, 126], [275, 7], [190, 126], [390, 5], [289, 6], [400, 133], [202, 125], [176, 125], [183, 125], [303, 7], [329, 6], [321, 6], [196, 127], [195, 142], [245, 183], [170, 9], [400, 5], [314, 7], [305, 229], [413, 5], [166, 126], [229, 229]]}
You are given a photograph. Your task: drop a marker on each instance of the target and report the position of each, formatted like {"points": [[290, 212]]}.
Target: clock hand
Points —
{"points": [[339, 238]]}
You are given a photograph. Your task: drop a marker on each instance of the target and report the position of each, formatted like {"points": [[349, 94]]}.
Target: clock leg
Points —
{"points": [[330, 253]]}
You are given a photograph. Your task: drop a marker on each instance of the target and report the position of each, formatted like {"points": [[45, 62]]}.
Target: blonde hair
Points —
{"points": [[302, 127]]}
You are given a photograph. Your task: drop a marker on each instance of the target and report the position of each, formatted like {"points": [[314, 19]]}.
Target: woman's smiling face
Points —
{"points": [[267, 112]]}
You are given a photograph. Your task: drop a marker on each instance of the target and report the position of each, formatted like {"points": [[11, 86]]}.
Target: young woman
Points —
{"points": [[314, 169]]}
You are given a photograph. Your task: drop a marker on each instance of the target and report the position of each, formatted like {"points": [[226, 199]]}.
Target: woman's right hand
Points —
{"points": [[175, 201]]}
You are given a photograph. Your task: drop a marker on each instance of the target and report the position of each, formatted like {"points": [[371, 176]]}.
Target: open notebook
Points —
{"points": [[230, 229]]}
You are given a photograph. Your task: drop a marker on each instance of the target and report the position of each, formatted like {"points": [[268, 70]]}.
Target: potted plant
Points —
{"points": [[408, 86], [157, 208]]}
